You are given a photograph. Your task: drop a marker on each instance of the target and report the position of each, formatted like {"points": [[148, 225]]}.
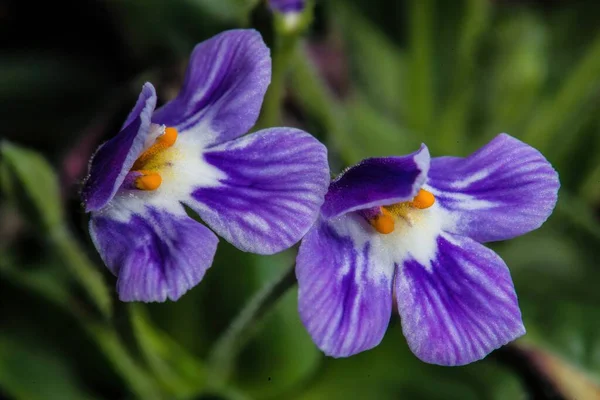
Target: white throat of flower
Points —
{"points": [[165, 174]]}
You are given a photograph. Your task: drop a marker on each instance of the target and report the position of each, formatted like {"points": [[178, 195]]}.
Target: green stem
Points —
{"points": [[287, 35], [284, 49], [240, 331], [102, 333], [85, 272], [136, 377]]}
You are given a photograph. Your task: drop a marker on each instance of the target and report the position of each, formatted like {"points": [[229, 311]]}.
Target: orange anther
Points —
{"points": [[169, 137], [423, 199], [384, 222], [148, 181]]}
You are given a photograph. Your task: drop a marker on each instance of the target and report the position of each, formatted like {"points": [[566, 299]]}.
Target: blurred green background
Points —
{"points": [[368, 78]]}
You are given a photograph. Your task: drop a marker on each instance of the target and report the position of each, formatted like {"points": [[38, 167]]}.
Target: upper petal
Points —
{"points": [[345, 286], [273, 186], [224, 87], [157, 255], [113, 160], [461, 307], [377, 182], [505, 189]]}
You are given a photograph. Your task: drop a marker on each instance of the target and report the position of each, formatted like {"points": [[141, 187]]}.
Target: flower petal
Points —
{"points": [[156, 256], [345, 286], [461, 307], [377, 182], [224, 87], [274, 185], [503, 190], [113, 160]]}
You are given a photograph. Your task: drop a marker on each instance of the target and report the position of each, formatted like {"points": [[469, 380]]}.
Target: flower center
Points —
{"points": [[384, 222], [145, 169]]}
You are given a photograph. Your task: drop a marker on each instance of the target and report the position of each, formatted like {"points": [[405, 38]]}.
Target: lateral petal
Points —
{"points": [[505, 189], [113, 159], [271, 191]]}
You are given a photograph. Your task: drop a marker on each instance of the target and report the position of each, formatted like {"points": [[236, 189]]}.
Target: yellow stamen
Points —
{"points": [[169, 137], [148, 181], [384, 222], [166, 140], [423, 199]]}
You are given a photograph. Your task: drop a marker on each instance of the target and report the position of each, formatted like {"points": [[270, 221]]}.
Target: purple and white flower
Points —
{"points": [[408, 229], [290, 13], [261, 192], [287, 6]]}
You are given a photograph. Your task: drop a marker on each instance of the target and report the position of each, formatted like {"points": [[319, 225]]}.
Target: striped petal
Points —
{"points": [[345, 286], [113, 160], [224, 87], [156, 255], [460, 307], [377, 182], [503, 190], [270, 192]]}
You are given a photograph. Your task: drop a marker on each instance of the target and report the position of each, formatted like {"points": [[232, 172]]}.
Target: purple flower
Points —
{"points": [[261, 192], [287, 6], [408, 229]]}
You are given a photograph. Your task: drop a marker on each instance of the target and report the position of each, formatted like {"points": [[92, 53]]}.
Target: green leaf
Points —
{"points": [[453, 124], [318, 101], [87, 273], [31, 183], [391, 371], [132, 372], [47, 283], [29, 371], [589, 186], [566, 327], [180, 373], [555, 274], [421, 89], [44, 280], [519, 70], [539, 261], [379, 65], [578, 213], [369, 133], [581, 84]]}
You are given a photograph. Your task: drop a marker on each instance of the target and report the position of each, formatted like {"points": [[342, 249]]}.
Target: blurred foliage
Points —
{"points": [[371, 78]]}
